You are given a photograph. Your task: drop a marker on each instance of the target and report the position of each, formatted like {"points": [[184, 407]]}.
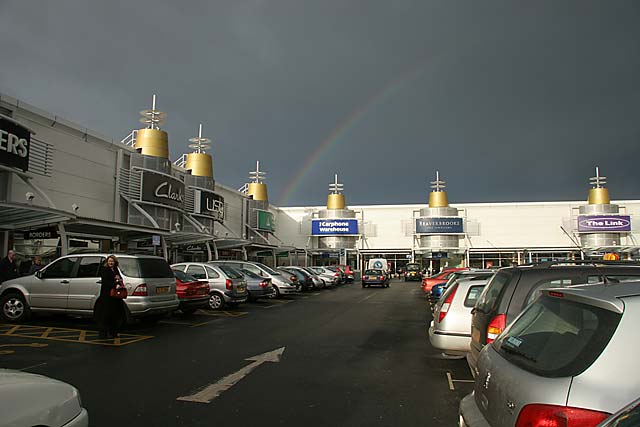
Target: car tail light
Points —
{"points": [[293, 278], [496, 326], [365, 277], [336, 275], [264, 284], [140, 291], [229, 284], [381, 277], [446, 305], [539, 415]]}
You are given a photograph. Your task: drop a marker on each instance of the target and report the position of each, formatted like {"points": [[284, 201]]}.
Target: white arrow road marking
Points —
{"points": [[210, 392]]}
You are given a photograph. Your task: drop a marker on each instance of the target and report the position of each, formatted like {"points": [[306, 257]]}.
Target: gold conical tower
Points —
{"points": [[257, 188], [598, 194], [151, 141], [437, 196], [199, 162], [335, 200]]}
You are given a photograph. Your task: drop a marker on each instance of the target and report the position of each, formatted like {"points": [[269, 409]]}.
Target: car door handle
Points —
{"points": [[99, 282], [66, 282]]}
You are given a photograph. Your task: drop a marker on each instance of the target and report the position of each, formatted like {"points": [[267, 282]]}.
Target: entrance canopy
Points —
{"points": [[20, 216]]}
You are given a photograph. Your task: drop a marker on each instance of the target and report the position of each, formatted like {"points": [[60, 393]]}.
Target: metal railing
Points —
{"points": [[130, 140], [244, 189], [181, 161]]}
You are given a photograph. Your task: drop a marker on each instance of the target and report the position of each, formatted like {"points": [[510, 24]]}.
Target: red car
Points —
{"points": [[442, 277], [192, 293], [348, 272]]}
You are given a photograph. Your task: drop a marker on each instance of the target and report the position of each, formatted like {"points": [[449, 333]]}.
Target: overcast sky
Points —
{"points": [[511, 101]]}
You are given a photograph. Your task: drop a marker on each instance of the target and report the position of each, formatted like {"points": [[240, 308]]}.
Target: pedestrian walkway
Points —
{"points": [[82, 336]]}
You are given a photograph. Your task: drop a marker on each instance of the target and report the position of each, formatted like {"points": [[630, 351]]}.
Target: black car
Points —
{"points": [[375, 277], [413, 272], [511, 289]]}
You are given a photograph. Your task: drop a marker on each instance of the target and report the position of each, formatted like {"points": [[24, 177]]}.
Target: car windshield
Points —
{"points": [[183, 277], [231, 272], [373, 272], [555, 337], [147, 268]]}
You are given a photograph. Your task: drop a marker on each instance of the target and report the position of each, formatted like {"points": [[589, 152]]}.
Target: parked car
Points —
{"points": [[330, 278], [290, 278], [441, 277], [412, 272], [629, 416], [567, 360], [71, 285], [35, 400], [318, 282], [437, 290], [258, 286], [343, 275], [281, 285], [192, 293], [348, 272], [511, 289], [304, 279], [375, 277], [226, 285], [450, 329]]}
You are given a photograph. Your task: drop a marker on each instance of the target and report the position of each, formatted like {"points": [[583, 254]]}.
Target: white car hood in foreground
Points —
{"points": [[30, 399]]}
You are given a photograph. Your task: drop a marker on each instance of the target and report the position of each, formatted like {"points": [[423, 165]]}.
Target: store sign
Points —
{"points": [[604, 223], [162, 189], [330, 227], [266, 221], [443, 225], [15, 144], [41, 233], [209, 204]]}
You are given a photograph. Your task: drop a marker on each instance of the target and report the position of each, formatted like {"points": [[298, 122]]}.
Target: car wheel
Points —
{"points": [[277, 292], [14, 307], [216, 301]]}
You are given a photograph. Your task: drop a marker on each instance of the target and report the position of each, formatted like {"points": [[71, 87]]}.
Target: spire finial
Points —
{"points": [[438, 185], [153, 118], [257, 176], [335, 187], [598, 181], [200, 144]]}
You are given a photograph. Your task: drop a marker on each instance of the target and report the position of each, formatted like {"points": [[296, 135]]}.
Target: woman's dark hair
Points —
{"points": [[115, 261]]}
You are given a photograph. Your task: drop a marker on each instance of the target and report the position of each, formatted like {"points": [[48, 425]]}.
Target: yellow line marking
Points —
{"points": [[46, 333], [82, 337], [69, 335], [201, 324], [223, 313]]}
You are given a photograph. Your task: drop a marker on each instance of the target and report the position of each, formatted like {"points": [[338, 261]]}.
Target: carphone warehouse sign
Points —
{"points": [[442, 225], [328, 227]]}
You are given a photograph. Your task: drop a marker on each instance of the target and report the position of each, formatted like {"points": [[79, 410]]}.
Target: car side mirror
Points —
{"points": [[38, 274]]}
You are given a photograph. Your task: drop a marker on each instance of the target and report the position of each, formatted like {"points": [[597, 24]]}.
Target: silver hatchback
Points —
{"points": [[570, 359], [226, 284], [71, 284]]}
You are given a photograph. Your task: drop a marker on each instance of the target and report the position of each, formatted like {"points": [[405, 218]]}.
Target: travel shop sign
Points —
{"points": [[330, 227], [440, 225], [604, 223]]}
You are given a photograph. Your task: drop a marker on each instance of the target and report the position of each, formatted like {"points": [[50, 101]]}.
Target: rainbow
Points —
{"points": [[338, 134]]}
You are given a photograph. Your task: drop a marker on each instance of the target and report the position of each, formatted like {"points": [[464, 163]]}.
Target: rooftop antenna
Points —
{"points": [[198, 143], [438, 185], [598, 181], [335, 187], [257, 176], [153, 118]]}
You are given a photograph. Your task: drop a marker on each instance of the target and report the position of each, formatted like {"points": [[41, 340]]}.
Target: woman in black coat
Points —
{"points": [[109, 312]]}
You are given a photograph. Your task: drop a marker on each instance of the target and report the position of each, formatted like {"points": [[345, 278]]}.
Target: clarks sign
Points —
{"points": [[162, 189], [15, 142], [604, 223], [209, 204]]}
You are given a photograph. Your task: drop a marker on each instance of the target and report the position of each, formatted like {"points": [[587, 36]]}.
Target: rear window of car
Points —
{"points": [[184, 277], [231, 272], [372, 272], [148, 268], [472, 295], [250, 274], [413, 267], [489, 298], [556, 337]]}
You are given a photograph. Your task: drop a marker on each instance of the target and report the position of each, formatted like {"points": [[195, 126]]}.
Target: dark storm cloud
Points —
{"points": [[509, 100]]}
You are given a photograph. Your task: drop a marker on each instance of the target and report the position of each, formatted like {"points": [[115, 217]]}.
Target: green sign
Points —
{"points": [[266, 221]]}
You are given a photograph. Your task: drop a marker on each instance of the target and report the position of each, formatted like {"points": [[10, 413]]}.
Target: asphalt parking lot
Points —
{"points": [[346, 356]]}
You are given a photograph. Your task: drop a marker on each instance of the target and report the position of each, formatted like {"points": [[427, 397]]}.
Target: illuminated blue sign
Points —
{"points": [[331, 227]]}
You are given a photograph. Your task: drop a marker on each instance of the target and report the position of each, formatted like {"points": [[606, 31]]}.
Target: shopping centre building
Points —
{"points": [[64, 188]]}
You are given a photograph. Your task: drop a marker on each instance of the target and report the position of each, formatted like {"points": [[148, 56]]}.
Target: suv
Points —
{"points": [[568, 360], [71, 284], [280, 284], [511, 289]]}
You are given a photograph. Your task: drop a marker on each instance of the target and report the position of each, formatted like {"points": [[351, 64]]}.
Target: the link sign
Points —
{"points": [[604, 223], [330, 227], [15, 142], [162, 189], [441, 225]]}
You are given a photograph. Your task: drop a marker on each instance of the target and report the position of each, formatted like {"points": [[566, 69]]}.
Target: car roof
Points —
{"points": [[106, 254], [604, 295]]}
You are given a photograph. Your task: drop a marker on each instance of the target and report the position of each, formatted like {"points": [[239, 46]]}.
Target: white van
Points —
{"points": [[378, 264]]}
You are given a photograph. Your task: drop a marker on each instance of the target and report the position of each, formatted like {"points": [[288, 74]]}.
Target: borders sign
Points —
{"points": [[440, 225], [162, 189], [604, 223], [332, 227], [15, 144]]}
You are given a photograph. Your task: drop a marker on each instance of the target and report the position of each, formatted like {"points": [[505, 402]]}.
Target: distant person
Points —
{"points": [[8, 267], [36, 266], [109, 311]]}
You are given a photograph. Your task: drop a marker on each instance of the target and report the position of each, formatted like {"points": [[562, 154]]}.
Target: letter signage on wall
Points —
{"points": [[442, 225], [330, 227], [209, 204], [15, 144], [266, 221], [162, 189], [41, 233], [604, 223]]}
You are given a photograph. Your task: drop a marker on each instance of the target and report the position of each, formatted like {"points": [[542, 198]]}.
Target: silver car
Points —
{"points": [[226, 285], [329, 277], [570, 359], [318, 282], [258, 286], [450, 329], [280, 284], [71, 284]]}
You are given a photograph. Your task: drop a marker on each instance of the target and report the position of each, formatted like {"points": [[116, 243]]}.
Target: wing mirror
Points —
{"points": [[38, 274]]}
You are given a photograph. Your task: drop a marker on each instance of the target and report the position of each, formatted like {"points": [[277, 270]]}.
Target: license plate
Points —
{"points": [[162, 290]]}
